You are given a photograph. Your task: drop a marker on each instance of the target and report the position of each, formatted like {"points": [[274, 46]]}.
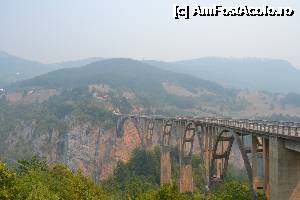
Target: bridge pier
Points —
{"points": [[165, 159], [257, 163], [266, 156], [165, 167], [284, 171], [219, 163], [186, 169], [207, 152], [209, 158]]}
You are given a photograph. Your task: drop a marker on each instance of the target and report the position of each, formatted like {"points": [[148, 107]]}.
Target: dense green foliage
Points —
{"points": [[136, 180], [34, 180], [7, 181]]}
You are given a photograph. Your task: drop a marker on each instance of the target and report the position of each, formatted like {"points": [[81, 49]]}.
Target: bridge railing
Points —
{"points": [[262, 126], [270, 127]]}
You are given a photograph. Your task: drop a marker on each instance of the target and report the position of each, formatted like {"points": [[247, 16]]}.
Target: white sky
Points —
{"points": [[57, 30]]}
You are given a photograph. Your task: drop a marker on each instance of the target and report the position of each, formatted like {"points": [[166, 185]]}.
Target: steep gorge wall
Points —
{"points": [[90, 147]]}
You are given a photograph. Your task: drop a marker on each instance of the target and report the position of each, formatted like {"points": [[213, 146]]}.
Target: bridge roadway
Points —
{"points": [[287, 130], [275, 144]]}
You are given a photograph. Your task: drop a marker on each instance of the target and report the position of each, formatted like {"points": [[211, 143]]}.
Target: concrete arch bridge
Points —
{"points": [[273, 145]]}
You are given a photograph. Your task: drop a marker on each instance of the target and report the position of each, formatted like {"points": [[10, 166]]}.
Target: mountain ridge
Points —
{"points": [[15, 69], [142, 84], [78, 62], [265, 74], [273, 75], [130, 69]]}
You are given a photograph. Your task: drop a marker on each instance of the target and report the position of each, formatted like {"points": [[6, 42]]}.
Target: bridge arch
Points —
{"points": [[148, 136], [167, 134], [220, 158], [121, 123]]}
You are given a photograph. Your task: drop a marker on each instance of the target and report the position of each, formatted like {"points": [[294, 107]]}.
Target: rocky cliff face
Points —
{"points": [[90, 147]]}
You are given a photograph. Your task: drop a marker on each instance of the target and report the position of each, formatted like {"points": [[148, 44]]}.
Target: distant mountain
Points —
{"points": [[77, 63], [119, 72], [147, 86], [14, 69], [251, 73], [147, 83], [248, 73]]}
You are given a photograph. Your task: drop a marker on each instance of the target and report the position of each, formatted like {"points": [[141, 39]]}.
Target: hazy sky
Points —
{"points": [[57, 30]]}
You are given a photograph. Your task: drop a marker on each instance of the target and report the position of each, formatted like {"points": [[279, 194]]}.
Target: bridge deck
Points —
{"points": [[288, 130]]}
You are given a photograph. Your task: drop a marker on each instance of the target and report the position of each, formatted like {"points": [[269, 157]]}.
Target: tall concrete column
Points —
{"points": [[186, 170], [266, 167], [284, 166], [220, 162], [165, 159], [206, 153], [186, 178], [210, 149], [218, 165], [200, 134], [165, 167], [254, 160], [257, 165]]}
